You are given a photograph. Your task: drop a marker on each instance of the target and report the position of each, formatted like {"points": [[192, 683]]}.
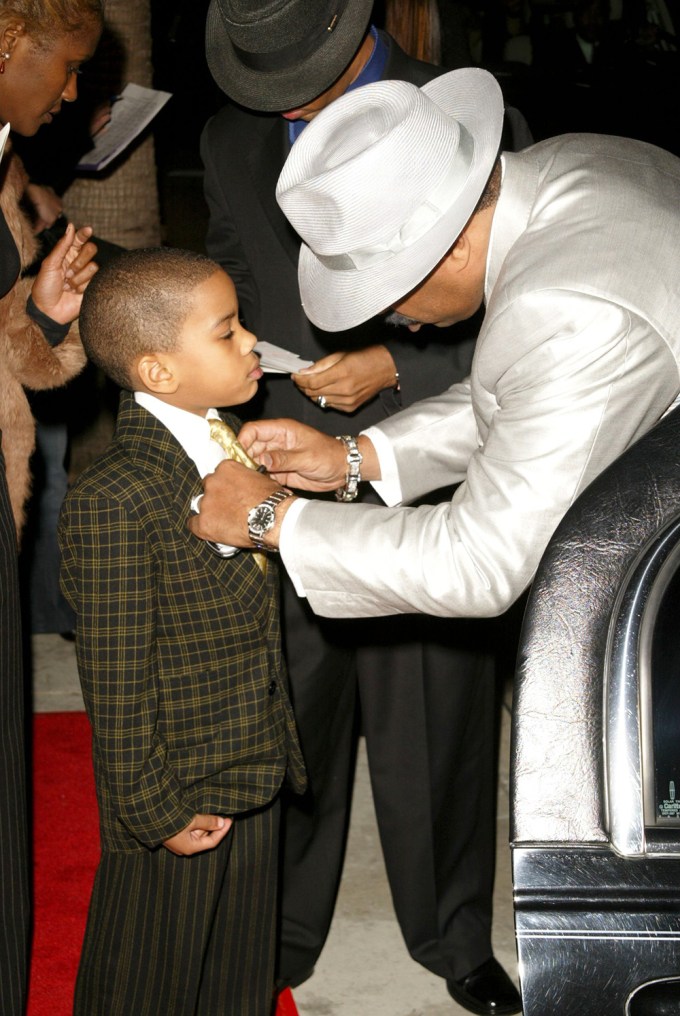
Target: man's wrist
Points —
{"points": [[370, 466], [388, 374], [262, 518], [272, 539], [353, 459]]}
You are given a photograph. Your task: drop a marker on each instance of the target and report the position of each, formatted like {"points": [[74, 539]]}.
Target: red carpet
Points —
{"points": [[66, 851]]}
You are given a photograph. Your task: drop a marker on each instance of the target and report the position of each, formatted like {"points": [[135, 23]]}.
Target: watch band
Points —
{"points": [[349, 491], [269, 505]]}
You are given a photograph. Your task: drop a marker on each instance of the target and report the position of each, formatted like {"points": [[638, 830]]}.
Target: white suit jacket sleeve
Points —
{"points": [[561, 385]]}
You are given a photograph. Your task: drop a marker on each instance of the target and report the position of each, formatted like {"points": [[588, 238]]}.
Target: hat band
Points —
{"points": [[295, 53], [421, 220]]}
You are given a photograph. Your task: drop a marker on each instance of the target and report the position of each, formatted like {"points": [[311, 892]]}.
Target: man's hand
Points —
{"points": [[204, 832], [348, 380], [229, 494], [296, 455], [64, 275]]}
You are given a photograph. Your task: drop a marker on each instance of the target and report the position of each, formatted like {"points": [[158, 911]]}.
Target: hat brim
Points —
{"points": [[339, 299], [274, 91]]}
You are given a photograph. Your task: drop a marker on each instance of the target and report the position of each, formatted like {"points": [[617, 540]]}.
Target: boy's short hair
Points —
{"points": [[137, 304]]}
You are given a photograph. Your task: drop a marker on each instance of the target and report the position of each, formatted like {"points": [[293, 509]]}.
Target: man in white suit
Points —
{"points": [[571, 244]]}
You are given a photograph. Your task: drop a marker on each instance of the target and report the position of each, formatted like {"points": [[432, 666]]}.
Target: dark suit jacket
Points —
{"points": [[250, 237], [178, 648]]}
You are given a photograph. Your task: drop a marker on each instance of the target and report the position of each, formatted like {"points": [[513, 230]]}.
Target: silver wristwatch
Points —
{"points": [[262, 517]]}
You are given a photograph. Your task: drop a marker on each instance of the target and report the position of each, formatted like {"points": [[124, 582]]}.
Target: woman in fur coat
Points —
{"points": [[27, 359], [42, 44]]}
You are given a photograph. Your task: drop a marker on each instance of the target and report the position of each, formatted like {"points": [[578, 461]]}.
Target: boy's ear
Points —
{"points": [[156, 374]]}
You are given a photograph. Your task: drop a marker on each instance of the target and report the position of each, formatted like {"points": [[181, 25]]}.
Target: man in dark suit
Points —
{"points": [[180, 662], [426, 692]]}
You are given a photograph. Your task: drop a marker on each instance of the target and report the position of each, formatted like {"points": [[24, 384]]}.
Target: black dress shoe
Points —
{"points": [[487, 990]]}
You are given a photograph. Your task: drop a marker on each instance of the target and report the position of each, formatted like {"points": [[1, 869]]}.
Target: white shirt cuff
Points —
{"points": [[388, 488], [286, 538]]}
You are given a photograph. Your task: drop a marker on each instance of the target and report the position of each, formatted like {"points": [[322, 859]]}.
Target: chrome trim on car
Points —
{"points": [[627, 691]]}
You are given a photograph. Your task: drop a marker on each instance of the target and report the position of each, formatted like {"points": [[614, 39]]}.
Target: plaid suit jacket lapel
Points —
{"points": [[153, 448]]}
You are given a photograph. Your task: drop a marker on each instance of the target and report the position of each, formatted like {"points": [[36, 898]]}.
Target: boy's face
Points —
{"points": [[214, 364]]}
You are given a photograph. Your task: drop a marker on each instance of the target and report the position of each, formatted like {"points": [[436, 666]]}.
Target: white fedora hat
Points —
{"points": [[380, 185]]}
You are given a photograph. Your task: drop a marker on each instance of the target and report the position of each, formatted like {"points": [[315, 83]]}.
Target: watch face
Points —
{"points": [[261, 519]]}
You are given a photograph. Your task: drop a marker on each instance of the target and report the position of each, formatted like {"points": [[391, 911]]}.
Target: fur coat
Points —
{"points": [[26, 358]]}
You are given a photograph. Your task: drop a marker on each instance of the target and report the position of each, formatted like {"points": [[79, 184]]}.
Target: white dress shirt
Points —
{"points": [[193, 433]]}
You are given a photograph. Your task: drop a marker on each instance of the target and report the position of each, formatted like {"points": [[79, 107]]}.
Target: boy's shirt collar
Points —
{"points": [[192, 431]]}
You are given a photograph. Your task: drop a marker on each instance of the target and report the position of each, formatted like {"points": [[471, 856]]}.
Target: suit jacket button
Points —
{"points": [[272, 687]]}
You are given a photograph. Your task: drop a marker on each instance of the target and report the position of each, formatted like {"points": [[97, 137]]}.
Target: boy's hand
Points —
{"points": [[204, 832]]}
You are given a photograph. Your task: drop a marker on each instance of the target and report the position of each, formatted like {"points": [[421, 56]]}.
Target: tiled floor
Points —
{"points": [[364, 969]]}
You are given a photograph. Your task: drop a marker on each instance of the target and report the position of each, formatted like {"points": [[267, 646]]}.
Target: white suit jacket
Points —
{"points": [[579, 355]]}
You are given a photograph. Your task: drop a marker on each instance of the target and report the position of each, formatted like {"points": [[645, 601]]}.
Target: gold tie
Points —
{"points": [[225, 437]]}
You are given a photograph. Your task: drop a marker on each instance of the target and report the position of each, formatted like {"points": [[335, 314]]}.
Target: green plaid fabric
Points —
{"points": [[178, 649]]}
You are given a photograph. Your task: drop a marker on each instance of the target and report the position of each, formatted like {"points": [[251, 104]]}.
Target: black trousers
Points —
{"points": [[184, 936], [425, 688], [14, 897]]}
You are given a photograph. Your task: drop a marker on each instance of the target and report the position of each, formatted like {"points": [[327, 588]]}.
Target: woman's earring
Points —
{"points": [[5, 56]]}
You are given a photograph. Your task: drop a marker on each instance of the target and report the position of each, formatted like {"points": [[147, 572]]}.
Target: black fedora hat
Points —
{"points": [[274, 55]]}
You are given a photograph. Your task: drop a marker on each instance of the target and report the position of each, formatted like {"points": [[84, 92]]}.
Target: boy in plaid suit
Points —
{"points": [[180, 662]]}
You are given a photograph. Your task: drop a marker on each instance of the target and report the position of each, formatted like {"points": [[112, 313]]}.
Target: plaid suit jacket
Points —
{"points": [[178, 649]]}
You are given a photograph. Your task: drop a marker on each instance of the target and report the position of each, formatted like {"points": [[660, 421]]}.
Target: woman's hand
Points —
{"points": [[46, 205], [101, 117], [64, 275]]}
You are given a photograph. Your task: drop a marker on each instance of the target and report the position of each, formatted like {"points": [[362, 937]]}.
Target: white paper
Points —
{"points": [[4, 134], [275, 360], [131, 112]]}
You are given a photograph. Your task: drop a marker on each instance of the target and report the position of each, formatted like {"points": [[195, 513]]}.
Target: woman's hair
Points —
{"points": [[46, 18], [416, 27]]}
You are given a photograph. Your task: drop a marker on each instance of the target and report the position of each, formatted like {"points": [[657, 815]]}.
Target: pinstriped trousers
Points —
{"points": [[184, 936], [14, 898]]}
